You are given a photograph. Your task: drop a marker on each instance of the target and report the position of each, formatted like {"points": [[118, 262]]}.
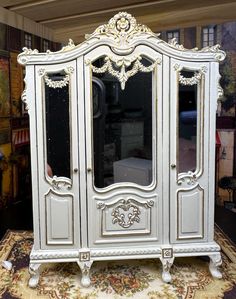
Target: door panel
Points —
{"points": [[59, 218], [58, 162], [190, 211], [188, 137], [124, 194]]}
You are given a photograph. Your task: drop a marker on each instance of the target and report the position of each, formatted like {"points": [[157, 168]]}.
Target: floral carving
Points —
{"points": [[123, 219], [57, 83], [130, 208], [192, 80], [123, 75]]}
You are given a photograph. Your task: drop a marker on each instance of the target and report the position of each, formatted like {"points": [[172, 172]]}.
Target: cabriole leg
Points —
{"points": [[34, 274], [85, 270], [215, 262], [166, 264]]}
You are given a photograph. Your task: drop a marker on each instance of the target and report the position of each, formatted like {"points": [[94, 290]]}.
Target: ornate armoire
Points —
{"points": [[122, 131]]}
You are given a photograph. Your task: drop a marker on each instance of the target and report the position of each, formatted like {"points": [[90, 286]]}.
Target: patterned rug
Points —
{"points": [[135, 279]]}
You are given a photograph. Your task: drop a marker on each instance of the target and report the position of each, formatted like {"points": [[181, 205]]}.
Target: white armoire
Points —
{"points": [[122, 131]]}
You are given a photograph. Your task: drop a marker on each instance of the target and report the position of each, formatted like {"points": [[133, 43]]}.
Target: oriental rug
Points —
{"points": [[134, 279]]}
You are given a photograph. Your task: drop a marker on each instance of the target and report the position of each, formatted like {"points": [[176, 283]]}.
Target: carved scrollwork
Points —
{"points": [[24, 97], [174, 44], [124, 220], [56, 83], [126, 212], [190, 178], [58, 183], [122, 28], [219, 54], [123, 74], [192, 80]]}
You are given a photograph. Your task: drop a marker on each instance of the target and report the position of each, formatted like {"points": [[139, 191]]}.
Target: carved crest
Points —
{"points": [[122, 28]]}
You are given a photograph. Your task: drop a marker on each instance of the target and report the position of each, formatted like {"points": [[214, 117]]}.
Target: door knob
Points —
{"points": [[89, 169], [76, 170], [173, 166]]}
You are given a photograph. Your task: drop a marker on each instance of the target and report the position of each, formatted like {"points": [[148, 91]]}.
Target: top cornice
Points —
{"points": [[122, 33]]}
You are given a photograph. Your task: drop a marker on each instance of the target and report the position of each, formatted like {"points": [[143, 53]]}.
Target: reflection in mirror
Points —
{"points": [[57, 128], [122, 129], [187, 129]]}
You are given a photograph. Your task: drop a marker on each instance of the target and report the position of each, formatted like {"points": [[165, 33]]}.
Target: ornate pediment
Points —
{"points": [[122, 28]]}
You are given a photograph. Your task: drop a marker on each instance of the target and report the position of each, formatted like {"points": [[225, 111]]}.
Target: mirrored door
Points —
{"points": [[58, 160], [122, 133], [188, 143]]}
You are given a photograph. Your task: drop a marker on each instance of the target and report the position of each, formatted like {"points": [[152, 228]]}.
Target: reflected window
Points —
{"points": [[122, 129], [173, 34], [57, 128], [208, 36]]}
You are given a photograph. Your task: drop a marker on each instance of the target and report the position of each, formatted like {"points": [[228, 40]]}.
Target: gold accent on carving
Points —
{"points": [[57, 83], [195, 79], [219, 54], [122, 28], [123, 75]]}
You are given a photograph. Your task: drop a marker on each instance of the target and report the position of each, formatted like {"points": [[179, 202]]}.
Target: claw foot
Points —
{"points": [[215, 262], [85, 269], [34, 275], [166, 264]]}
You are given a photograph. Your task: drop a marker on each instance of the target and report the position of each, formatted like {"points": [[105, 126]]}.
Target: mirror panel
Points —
{"points": [[188, 116], [122, 129], [57, 120]]}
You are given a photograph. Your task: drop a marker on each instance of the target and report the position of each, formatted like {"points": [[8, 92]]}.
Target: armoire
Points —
{"points": [[122, 133]]}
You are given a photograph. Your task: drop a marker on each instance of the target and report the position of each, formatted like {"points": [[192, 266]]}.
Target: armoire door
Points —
{"points": [[124, 194], [58, 160], [189, 143]]}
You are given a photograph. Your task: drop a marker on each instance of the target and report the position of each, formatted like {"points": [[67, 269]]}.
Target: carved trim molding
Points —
{"points": [[56, 83], [192, 80], [119, 252], [195, 249], [41, 255], [123, 75]]}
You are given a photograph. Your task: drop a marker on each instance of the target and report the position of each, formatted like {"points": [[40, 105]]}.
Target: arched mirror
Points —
{"points": [[125, 146]]}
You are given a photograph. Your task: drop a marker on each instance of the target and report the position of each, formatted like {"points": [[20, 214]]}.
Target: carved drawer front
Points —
{"points": [[59, 219], [190, 214]]}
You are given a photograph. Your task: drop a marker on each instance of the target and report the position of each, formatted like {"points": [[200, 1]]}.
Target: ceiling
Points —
{"points": [[75, 18]]}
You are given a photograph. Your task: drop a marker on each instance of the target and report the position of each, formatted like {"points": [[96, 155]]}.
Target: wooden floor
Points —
{"points": [[18, 216]]}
